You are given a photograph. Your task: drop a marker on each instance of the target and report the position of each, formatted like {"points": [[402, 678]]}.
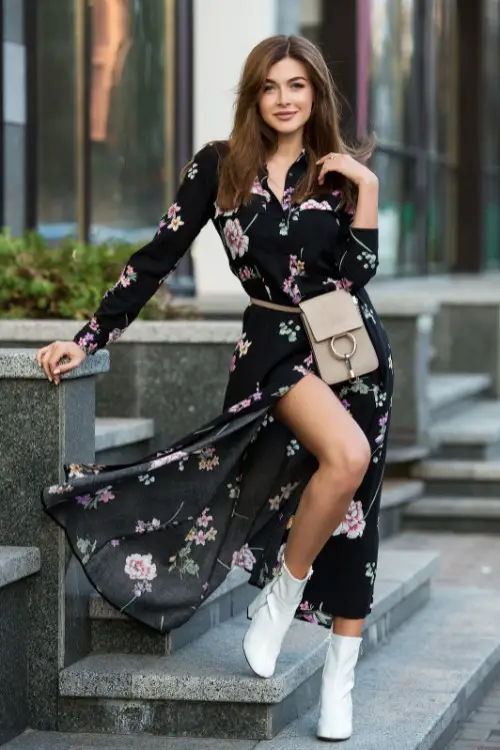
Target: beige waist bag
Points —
{"points": [[339, 340]]}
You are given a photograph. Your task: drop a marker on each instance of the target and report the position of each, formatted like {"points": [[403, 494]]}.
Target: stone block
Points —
{"points": [[43, 426]]}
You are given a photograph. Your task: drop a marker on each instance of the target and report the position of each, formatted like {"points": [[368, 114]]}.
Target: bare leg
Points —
{"points": [[322, 425], [352, 628]]}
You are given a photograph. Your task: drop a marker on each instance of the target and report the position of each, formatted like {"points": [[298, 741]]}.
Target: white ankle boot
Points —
{"points": [[272, 613], [335, 718]]}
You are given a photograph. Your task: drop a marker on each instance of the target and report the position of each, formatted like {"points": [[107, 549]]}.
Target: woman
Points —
{"points": [[290, 460]]}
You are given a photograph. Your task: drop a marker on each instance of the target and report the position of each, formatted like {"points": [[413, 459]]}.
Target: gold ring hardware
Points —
{"points": [[338, 354]]}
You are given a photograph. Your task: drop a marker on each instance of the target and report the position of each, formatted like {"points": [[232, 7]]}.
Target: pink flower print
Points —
{"points": [[383, 428], [83, 500], [204, 587], [94, 325], [240, 406], [236, 240], [204, 519], [318, 205], [287, 198], [127, 276], [140, 567], [258, 394], [173, 211], [115, 542], [344, 284], [354, 523], [345, 403], [161, 225], [257, 189], [244, 558], [104, 495], [200, 537], [142, 587], [232, 364], [208, 459]]}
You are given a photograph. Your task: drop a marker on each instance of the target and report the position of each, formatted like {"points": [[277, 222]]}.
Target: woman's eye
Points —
{"points": [[297, 85], [267, 87]]}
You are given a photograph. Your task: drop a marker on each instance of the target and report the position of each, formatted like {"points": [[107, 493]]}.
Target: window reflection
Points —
{"points": [[56, 140], [127, 119]]}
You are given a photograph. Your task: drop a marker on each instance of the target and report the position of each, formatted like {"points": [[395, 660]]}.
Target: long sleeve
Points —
{"points": [[147, 268], [356, 252]]}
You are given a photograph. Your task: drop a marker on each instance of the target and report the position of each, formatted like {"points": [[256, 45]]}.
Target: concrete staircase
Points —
{"points": [[461, 477], [200, 686], [17, 564]]}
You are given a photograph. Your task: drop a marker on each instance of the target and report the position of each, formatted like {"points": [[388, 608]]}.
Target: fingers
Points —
{"points": [[328, 165], [50, 356]]}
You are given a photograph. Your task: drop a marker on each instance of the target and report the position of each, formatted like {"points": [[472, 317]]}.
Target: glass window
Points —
{"points": [[56, 133], [127, 118]]}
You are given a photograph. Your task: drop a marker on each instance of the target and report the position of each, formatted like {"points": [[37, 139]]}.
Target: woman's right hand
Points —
{"points": [[49, 357]]}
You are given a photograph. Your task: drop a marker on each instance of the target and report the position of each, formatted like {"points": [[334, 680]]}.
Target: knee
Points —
{"points": [[349, 465]]}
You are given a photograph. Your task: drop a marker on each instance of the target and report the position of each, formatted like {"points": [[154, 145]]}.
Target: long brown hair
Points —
{"points": [[252, 141]]}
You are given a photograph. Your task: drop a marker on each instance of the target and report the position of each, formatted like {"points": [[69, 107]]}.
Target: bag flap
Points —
{"points": [[331, 314]]}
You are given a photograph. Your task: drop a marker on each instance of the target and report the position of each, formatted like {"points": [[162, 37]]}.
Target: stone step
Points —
{"points": [[113, 632], [17, 563], [460, 478], [412, 693], [207, 689], [473, 434], [396, 495], [476, 515], [62, 741], [122, 439], [449, 394]]}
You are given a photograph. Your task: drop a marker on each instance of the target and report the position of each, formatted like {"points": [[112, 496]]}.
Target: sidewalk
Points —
{"points": [[466, 560]]}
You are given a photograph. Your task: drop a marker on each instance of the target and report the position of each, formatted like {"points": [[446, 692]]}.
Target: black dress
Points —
{"points": [[156, 537]]}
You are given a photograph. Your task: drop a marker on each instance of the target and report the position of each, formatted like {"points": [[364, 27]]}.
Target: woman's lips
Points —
{"points": [[285, 115]]}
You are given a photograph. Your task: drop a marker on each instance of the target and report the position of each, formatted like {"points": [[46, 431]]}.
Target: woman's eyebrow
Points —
{"points": [[290, 80]]}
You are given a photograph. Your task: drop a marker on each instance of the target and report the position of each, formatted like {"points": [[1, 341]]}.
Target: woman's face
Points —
{"points": [[287, 97]]}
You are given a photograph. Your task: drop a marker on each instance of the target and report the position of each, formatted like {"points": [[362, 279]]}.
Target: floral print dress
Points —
{"points": [[156, 537]]}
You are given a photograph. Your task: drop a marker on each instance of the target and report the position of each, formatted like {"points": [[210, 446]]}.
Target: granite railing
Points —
{"points": [[175, 372], [43, 426]]}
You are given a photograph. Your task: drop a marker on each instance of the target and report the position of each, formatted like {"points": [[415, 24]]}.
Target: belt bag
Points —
{"points": [[338, 337]]}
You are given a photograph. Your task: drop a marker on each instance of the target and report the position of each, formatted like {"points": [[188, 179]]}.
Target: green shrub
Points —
{"points": [[67, 281]]}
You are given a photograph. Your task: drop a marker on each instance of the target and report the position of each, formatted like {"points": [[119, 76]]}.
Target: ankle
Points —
{"points": [[298, 572]]}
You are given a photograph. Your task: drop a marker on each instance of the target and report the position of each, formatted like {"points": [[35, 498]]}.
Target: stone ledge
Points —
{"points": [[140, 332], [21, 364], [17, 563], [115, 432]]}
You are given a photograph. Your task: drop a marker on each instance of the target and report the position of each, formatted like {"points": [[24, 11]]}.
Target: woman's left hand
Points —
{"points": [[347, 166]]}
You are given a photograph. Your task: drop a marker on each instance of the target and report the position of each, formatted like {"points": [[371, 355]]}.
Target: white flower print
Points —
{"points": [[175, 224], [274, 502], [146, 479], [192, 171], [234, 490], [59, 489], [354, 523], [219, 212], [292, 448], [86, 547], [236, 239], [368, 259], [389, 362], [143, 527], [115, 335], [170, 458], [289, 330], [370, 571], [244, 558]]}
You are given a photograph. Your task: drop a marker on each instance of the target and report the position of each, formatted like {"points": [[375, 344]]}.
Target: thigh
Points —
{"points": [[314, 413]]}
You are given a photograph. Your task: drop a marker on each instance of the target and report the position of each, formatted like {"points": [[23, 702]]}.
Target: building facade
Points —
{"points": [[103, 101]]}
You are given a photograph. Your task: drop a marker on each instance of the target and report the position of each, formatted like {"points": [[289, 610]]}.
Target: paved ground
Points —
{"points": [[466, 560]]}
